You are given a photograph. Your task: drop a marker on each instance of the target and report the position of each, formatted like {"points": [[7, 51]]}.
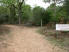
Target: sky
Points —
{"points": [[34, 3]]}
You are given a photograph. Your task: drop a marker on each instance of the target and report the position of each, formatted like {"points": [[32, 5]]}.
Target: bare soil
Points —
{"points": [[25, 39]]}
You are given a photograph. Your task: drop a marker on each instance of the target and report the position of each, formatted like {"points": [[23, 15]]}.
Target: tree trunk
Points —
{"points": [[55, 10], [20, 10], [41, 23], [12, 13]]}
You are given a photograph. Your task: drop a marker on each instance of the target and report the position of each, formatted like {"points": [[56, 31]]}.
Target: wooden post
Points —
{"points": [[41, 23]]}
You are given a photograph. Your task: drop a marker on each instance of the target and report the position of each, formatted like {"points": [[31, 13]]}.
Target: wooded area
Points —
{"points": [[18, 17], [17, 12]]}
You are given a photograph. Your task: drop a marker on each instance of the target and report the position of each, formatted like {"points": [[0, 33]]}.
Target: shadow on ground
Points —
{"points": [[4, 36], [4, 29]]}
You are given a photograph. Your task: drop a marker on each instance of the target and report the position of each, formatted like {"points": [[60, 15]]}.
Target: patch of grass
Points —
{"points": [[55, 41], [61, 41], [40, 30]]}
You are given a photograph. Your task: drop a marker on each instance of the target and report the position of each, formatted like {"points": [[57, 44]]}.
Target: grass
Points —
{"points": [[61, 41]]}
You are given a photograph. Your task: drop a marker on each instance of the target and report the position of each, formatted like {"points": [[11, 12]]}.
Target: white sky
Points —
{"points": [[34, 3]]}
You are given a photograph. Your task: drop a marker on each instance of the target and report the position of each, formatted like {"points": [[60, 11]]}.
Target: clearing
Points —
{"points": [[25, 39]]}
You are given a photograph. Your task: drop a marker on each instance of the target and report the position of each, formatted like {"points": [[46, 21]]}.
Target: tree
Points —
{"points": [[46, 18], [66, 7], [40, 16], [58, 13], [13, 5], [10, 4], [37, 15], [27, 13], [20, 2], [3, 15], [55, 2]]}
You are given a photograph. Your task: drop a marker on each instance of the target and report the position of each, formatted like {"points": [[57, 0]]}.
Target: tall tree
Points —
{"points": [[55, 2], [11, 5], [20, 2], [37, 15], [40, 16], [27, 14], [66, 7]]}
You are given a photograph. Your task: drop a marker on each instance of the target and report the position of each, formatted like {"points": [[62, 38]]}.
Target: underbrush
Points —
{"points": [[60, 39]]}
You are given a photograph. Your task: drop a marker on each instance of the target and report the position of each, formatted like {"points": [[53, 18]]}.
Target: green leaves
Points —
{"points": [[46, 1], [27, 13], [8, 2], [40, 13], [66, 6], [55, 1]]}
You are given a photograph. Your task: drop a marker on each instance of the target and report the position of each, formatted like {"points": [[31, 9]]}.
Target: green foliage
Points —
{"points": [[46, 17], [8, 2], [37, 15], [10, 5], [60, 13], [51, 10], [27, 13], [40, 13], [3, 15], [66, 7], [11, 11]]}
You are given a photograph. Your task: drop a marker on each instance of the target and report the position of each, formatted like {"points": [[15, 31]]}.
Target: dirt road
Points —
{"points": [[25, 39]]}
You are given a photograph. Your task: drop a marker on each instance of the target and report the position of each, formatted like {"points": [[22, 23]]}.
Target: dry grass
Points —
{"points": [[60, 39]]}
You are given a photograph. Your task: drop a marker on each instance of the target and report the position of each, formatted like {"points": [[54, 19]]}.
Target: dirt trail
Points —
{"points": [[26, 39]]}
